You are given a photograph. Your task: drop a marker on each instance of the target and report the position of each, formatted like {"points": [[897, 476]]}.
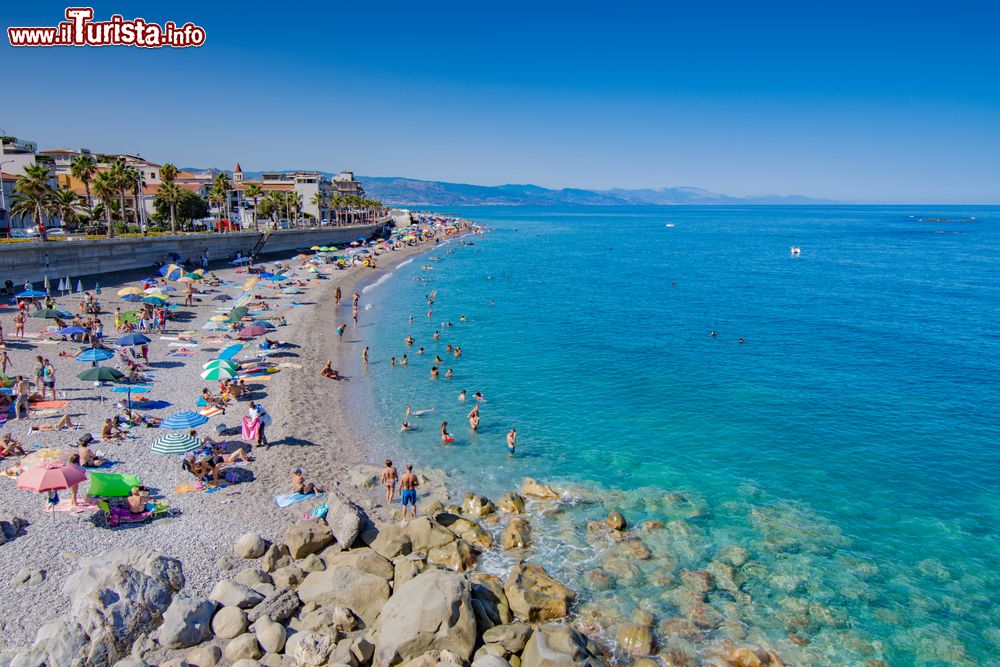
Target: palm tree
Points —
{"points": [[124, 178], [274, 202], [254, 191], [217, 196], [106, 187], [224, 185], [33, 194], [319, 198], [83, 167], [294, 204], [66, 204], [170, 194]]}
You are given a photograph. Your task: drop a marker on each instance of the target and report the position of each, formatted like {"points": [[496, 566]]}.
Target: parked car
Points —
{"points": [[19, 234]]}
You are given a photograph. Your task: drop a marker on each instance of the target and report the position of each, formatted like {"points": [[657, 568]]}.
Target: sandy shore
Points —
{"points": [[310, 430]]}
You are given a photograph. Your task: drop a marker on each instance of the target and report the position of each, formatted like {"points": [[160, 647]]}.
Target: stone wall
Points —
{"points": [[33, 261]]}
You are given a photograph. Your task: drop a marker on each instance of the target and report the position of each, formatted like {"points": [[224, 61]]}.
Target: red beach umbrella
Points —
{"points": [[53, 476], [252, 331]]}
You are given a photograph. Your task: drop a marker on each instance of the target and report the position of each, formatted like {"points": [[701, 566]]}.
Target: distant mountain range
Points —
{"points": [[412, 192]]}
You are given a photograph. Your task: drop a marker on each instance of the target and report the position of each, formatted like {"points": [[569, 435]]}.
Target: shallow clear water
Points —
{"points": [[850, 443]]}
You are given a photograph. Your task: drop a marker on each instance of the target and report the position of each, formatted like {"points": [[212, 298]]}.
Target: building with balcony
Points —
{"points": [[16, 154], [305, 183], [344, 183]]}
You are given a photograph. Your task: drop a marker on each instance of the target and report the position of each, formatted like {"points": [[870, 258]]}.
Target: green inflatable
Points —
{"points": [[110, 485]]}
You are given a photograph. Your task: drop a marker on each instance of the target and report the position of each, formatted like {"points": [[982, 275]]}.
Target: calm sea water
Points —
{"points": [[851, 443]]}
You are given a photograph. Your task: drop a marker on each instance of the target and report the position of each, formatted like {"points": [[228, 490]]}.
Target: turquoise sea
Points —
{"points": [[850, 445]]}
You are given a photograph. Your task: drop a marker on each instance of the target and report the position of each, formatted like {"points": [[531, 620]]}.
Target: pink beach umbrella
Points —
{"points": [[252, 331], [51, 477]]}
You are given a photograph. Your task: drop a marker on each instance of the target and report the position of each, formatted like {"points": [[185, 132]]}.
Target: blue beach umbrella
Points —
{"points": [[71, 331], [93, 355], [132, 340], [30, 294], [154, 301], [230, 351], [183, 420], [132, 297], [175, 443], [130, 389]]}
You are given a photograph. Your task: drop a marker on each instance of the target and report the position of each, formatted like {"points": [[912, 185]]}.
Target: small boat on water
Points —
{"points": [[796, 251], [670, 224]]}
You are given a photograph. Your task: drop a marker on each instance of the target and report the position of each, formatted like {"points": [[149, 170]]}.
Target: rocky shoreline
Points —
{"points": [[350, 590]]}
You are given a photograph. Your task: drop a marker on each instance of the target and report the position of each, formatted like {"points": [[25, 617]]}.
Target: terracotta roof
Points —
{"points": [[10, 177], [60, 151], [239, 169]]}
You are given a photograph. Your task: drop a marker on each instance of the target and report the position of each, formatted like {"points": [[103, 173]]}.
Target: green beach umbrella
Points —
{"points": [[101, 374], [221, 363], [52, 314], [131, 316], [175, 443], [238, 313], [154, 300], [218, 373]]}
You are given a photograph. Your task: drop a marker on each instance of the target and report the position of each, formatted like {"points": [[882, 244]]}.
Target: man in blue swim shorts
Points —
{"points": [[408, 484]]}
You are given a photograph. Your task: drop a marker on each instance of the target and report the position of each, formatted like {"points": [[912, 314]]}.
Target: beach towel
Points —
{"points": [[286, 499], [181, 353], [82, 505], [213, 489], [201, 402], [251, 429], [183, 345], [48, 404], [210, 412]]}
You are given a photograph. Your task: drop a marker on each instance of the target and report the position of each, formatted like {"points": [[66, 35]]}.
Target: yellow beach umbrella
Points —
{"points": [[218, 318], [250, 283], [126, 291]]}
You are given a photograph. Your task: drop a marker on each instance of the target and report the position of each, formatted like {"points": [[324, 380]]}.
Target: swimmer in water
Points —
{"points": [[511, 440], [409, 411], [410, 320], [479, 397], [491, 302], [364, 356], [462, 318], [741, 339], [437, 359], [458, 351], [405, 427], [437, 335], [409, 341], [449, 348], [713, 334], [404, 361], [473, 417], [449, 373], [430, 313], [434, 372], [392, 362], [445, 436], [420, 351], [461, 395]]}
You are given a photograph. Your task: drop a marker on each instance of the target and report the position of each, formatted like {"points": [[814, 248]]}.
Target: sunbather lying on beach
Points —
{"points": [[200, 469], [212, 401], [135, 419], [10, 447], [64, 423]]}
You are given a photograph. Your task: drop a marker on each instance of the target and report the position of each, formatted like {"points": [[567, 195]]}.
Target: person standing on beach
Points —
{"points": [[364, 356], [340, 330], [257, 411], [408, 484], [389, 478], [40, 375], [354, 314], [337, 296], [355, 300], [48, 379], [511, 440], [21, 390]]}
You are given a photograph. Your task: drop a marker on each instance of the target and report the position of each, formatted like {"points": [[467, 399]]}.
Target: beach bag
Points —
{"points": [[265, 419], [320, 511], [232, 477]]}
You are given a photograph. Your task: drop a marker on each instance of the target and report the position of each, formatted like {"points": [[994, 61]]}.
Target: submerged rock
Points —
{"points": [[534, 596], [475, 505], [517, 535], [616, 521], [557, 646], [534, 489], [511, 502]]}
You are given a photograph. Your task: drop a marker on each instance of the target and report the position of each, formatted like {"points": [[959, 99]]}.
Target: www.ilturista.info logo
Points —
{"points": [[79, 29]]}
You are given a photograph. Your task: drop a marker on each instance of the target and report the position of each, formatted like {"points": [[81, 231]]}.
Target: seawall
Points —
{"points": [[33, 261]]}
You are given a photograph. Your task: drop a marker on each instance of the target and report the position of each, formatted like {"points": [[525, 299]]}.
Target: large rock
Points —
{"points": [[270, 635], [511, 502], [365, 560], [616, 521], [635, 639], [186, 622], [347, 521], [278, 606], [426, 534], [229, 622], [289, 576], [309, 649], [534, 596], [557, 646], [250, 545], [233, 594], [511, 637], [535, 489], [490, 661], [457, 556], [475, 505], [489, 601], [431, 612], [406, 568], [517, 534], [307, 537], [207, 655], [242, 647], [391, 541], [346, 586], [10, 526], [274, 557]]}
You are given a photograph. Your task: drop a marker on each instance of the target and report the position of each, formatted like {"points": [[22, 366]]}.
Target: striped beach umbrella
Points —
{"points": [[175, 443], [221, 363], [218, 373], [93, 354], [183, 420]]}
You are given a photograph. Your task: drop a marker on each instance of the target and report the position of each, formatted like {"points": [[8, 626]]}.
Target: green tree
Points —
{"points": [[66, 204], [254, 191], [33, 194], [84, 167], [170, 192], [294, 205], [222, 183], [319, 199], [106, 187]]}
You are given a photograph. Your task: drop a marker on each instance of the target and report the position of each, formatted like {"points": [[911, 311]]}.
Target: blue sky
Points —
{"points": [[882, 102]]}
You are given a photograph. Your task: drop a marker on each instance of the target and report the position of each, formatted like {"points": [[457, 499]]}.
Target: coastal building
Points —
{"points": [[16, 154], [344, 183], [306, 184]]}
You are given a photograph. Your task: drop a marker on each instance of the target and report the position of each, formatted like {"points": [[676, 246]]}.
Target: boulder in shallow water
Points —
{"points": [[186, 622], [616, 521], [517, 534], [535, 489], [534, 596], [512, 502], [476, 505], [635, 639], [431, 612]]}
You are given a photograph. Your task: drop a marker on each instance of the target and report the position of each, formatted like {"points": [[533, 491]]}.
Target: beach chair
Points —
{"points": [[115, 516]]}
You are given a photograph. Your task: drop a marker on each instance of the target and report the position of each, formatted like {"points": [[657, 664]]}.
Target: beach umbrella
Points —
{"points": [[62, 286], [154, 300], [46, 283], [316, 247], [175, 443], [129, 390], [97, 288], [132, 340], [132, 298], [243, 299], [221, 363], [183, 420], [238, 313], [171, 271], [214, 326], [30, 294], [231, 351], [221, 297], [71, 331], [101, 374], [48, 477], [94, 354], [160, 288], [69, 285], [218, 373], [79, 286], [52, 314], [252, 331], [126, 291], [193, 276]]}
